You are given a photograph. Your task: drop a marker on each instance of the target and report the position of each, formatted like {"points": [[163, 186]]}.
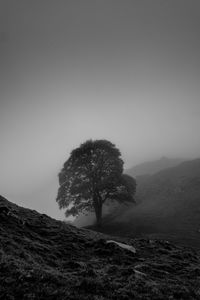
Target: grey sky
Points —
{"points": [[127, 71]]}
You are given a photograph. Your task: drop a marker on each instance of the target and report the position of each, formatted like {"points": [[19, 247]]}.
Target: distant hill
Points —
{"points": [[42, 258], [168, 206], [152, 167]]}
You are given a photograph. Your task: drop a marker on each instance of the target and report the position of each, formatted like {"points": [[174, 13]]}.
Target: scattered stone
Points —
{"points": [[124, 246]]}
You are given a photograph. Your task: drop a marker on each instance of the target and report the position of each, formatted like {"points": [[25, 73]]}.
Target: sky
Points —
{"points": [[71, 70]]}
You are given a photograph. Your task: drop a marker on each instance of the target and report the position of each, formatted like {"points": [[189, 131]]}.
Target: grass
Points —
{"points": [[48, 259]]}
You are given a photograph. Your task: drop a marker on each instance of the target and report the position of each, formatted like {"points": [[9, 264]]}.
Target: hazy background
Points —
{"points": [[126, 71]]}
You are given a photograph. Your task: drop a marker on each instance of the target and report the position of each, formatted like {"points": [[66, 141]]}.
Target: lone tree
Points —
{"points": [[91, 176]]}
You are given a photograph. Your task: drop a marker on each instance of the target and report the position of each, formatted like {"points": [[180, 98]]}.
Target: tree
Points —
{"points": [[91, 176]]}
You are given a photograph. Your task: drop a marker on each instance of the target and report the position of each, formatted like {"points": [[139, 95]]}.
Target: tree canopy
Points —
{"points": [[91, 176]]}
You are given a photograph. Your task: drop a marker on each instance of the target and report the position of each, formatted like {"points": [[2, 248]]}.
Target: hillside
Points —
{"points": [[152, 167], [168, 206], [42, 258]]}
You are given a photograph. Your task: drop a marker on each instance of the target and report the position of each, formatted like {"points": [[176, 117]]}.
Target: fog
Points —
{"points": [[126, 71]]}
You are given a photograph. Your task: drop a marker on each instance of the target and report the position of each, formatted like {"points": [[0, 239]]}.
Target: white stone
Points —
{"points": [[124, 246]]}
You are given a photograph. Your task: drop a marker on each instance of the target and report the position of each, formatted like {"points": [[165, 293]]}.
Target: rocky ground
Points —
{"points": [[41, 258]]}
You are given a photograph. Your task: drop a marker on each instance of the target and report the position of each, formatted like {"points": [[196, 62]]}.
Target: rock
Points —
{"points": [[123, 246]]}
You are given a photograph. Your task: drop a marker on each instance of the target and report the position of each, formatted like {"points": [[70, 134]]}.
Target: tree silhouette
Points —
{"points": [[91, 176]]}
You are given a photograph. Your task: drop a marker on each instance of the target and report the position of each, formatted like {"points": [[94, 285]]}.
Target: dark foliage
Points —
{"points": [[91, 176]]}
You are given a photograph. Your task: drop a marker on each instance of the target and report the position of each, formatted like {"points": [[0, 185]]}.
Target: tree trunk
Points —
{"points": [[98, 211], [99, 216]]}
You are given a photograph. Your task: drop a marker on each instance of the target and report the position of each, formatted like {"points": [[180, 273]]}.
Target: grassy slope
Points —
{"points": [[48, 259]]}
